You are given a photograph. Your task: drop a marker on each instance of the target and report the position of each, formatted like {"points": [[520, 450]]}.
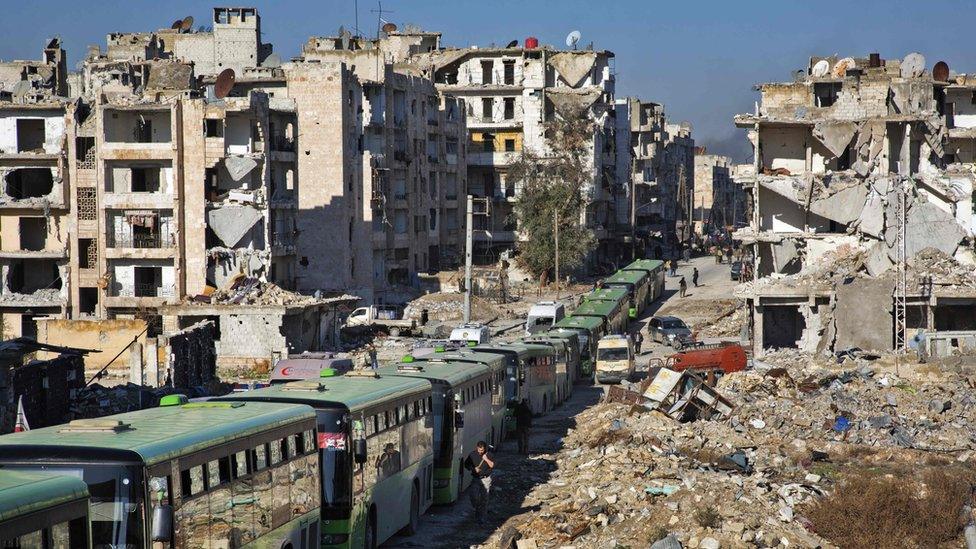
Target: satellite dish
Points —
{"points": [[273, 61], [820, 69], [912, 65], [512, 44], [187, 23], [225, 81], [940, 71], [177, 24], [389, 27], [573, 38], [842, 66]]}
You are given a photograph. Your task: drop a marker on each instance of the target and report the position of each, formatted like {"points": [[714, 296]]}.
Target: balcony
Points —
{"points": [[492, 158], [141, 241], [282, 143]]}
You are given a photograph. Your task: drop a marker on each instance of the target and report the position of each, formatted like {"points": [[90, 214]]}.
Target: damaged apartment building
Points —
{"points": [[510, 93], [862, 211], [719, 202], [655, 161]]}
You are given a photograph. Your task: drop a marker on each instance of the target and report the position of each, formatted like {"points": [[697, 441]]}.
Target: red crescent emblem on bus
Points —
{"points": [[286, 371]]}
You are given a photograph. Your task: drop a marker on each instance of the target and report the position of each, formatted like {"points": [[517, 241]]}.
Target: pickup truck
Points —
{"points": [[384, 318]]}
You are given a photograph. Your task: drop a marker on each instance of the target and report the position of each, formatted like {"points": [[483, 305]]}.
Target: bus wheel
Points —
{"points": [[370, 538], [414, 523]]}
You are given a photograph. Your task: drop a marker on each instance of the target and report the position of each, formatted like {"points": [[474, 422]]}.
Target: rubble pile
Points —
{"points": [[710, 317], [98, 400], [252, 291], [630, 476], [442, 306]]}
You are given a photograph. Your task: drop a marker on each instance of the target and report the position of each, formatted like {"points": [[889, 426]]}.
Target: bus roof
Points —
{"points": [[607, 294], [432, 367], [159, 434], [523, 349], [596, 308], [354, 392], [580, 322], [648, 265], [626, 277], [492, 360], [23, 493]]}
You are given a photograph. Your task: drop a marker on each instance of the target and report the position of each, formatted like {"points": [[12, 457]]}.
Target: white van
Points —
{"points": [[543, 316], [470, 334]]}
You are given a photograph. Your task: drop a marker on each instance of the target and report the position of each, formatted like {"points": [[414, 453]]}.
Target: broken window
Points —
{"points": [[143, 130], [30, 135], [87, 300], [85, 152], [29, 183], [825, 93], [400, 221], [509, 108], [145, 180], [509, 75], [488, 140], [31, 275], [486, 108], [486, 69], [33, 233], [509, 145], [87, 253], [489, 184], [213, 127], [782, 327], [148, 281], [433, 219]]}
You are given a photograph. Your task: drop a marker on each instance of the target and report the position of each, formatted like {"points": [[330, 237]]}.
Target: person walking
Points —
{"points": [[667, 267], [687, 254], [523, 422], [373, 363], [638, 340], [694, 276], [682, 286], [480, 464], [718, 255]]}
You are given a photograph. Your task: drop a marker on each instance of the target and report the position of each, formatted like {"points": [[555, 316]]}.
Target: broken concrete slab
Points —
{"points": [[239, 166], [231, 223], [931, 226], [573, 66], [862, 314], [843, 206], [785, 256], [876, 260], [572, 103], [871, 219], [835, 135]]}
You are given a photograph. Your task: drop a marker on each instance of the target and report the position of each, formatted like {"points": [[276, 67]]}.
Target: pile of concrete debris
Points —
{"points": [[449, 306], [643, 471], [97, 400], [253, 291]]}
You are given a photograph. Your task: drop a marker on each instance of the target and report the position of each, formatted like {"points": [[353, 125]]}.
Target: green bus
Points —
{"points": [[534, 366], [589, 330], [462, 416], [655, 271], [364, 491], [207, 474], [615, 314], [41, 510], [501, 391], [567, 360], [637, 284], [618, 295]]}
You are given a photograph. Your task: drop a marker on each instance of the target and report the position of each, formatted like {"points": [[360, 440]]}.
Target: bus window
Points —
{"points": [[191, 481], [213, 474], [292, 446], [260, 457], [240, 465], [275, 452]]}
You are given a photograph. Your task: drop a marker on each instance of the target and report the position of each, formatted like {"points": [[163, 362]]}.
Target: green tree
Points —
{"points": [[552, 200]]}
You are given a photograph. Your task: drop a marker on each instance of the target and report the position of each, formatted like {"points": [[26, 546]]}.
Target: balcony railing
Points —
{"points": [[142, 241], [145, 289], [282, 143]]}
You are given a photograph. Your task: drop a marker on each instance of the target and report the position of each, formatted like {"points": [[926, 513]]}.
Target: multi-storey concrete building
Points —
{"points": [[510, 94], [854, 180], [716, 205]]}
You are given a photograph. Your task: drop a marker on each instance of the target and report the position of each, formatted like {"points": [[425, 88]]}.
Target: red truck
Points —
{"points": [[714, 360]]}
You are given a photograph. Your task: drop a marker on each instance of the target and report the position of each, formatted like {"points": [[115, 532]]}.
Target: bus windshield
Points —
{"points": [[612, 353], [116, 501], [336, 457]]}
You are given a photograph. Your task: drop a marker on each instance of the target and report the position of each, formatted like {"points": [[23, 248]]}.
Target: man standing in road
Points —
{"points": [[638, 340], [523, 421], [694, 277], [480, 464], [682, 286]]}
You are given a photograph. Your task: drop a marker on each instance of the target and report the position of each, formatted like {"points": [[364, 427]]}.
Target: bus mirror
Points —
{"points": [[360, 447], [459, 419], [162, 523]]}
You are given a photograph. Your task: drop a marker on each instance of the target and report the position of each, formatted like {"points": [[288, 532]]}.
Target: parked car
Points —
{"points": [[670, 330], [544, 315], [383, 317], [735, 273]]}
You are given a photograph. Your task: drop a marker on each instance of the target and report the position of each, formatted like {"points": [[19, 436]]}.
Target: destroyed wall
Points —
{"points": [[31, 130], [48, 388], [250, 341], [108, 336], [191, 355]]}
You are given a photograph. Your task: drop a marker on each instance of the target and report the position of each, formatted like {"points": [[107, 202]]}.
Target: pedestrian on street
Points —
{"points": [[373, 363], [687, 254], [523, 422], [682, 286], [480, 464], [667, 266], [694, 276], [728, 253], [638, 340]]}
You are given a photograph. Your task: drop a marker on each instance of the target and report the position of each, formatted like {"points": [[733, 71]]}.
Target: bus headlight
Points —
{"points": [[334, 539], [442, 482]]}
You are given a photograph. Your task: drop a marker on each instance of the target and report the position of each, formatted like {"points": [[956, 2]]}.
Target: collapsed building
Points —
{"points": [[719, 201], [655, 163], [858, 190], [510, 93]]}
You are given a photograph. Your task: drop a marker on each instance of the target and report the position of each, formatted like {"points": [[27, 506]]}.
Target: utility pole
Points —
{"points": [[468, 238], [555, 229], [633, 210]]}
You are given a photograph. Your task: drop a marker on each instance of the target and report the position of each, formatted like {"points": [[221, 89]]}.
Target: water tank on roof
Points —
{"points": [[531, 43]]}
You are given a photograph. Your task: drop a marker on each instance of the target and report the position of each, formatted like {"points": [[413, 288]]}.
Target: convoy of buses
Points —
{"points": [[331, 461]]}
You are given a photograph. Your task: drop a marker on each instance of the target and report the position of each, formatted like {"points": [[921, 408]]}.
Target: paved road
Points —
{"points": [[514, 478]]}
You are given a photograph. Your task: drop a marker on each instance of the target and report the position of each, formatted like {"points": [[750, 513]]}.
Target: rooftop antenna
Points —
{"points": [[573, 38], [379, 11]]}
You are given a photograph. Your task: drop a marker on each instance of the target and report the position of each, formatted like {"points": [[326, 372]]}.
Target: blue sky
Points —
{"points": [[700, 58]]}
